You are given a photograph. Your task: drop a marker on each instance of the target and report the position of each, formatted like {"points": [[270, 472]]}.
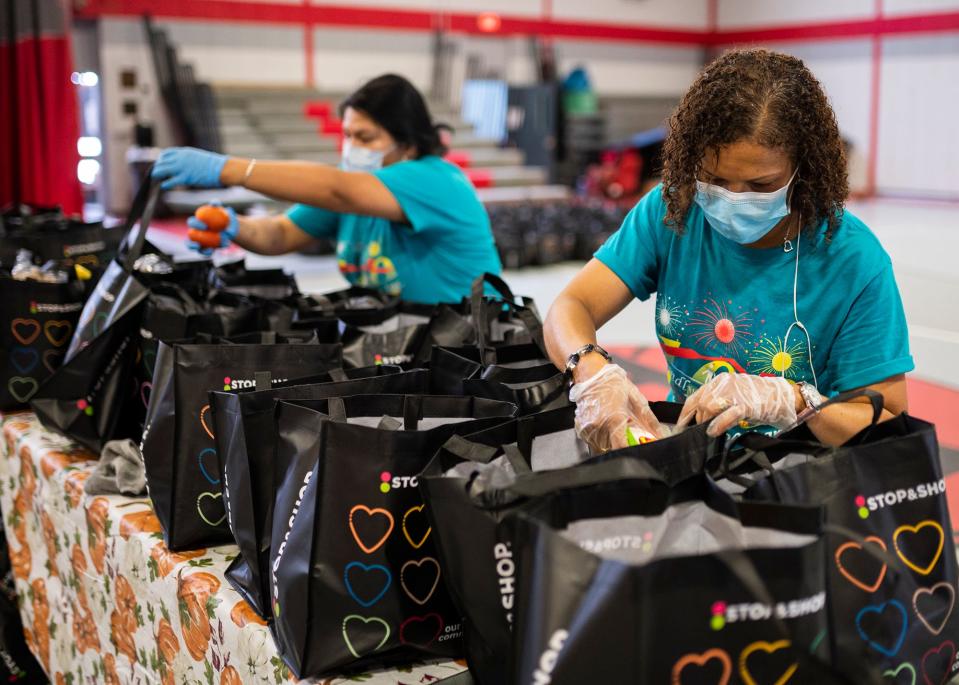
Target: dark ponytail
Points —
{"points": [[395, 104]]}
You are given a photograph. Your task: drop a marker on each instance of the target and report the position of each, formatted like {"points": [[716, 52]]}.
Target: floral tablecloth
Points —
{"points": [[104, 601]]}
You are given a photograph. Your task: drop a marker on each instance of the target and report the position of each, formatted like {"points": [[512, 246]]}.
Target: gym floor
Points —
{"points": [[922, 238]]}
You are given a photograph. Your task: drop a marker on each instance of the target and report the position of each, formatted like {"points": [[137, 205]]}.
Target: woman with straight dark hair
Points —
{"points": [[404, 220]]}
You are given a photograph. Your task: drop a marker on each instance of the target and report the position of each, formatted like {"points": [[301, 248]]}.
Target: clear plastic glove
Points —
{"points": [[735, 397], [226, 235], [607, 404], [189, 166]]}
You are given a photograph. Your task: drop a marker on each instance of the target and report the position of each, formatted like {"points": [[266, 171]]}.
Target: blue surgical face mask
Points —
{"points": [[358, 158], [742, 217]]}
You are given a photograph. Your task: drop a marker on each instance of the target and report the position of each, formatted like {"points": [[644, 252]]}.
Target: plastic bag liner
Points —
{"points": [[886, 485], [245, 443], [354, 574], [183, 469], [467, 487], [637, 581]]}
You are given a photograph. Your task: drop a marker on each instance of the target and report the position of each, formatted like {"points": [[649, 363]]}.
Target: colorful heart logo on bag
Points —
{"points": [[937, 674], [203, 412], [213, 500], [146, 391], [901, 668], [371, 514], [413, 574], [701, 660], [367, 570], [855, 546], [52, 359], [366, 621], [22, 388], [880, 610], [766, 648], [930, 592], [24, 359], [208, 453], [58, 332], [922, 570], [416, 630], [429, 529], [25, 330]]}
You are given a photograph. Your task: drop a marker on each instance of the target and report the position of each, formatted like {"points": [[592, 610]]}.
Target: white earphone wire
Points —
{"points": [[796, 322]]}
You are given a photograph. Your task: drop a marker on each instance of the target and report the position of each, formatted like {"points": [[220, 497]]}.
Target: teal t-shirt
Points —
{"points": [[433, 258], [722, 307]]}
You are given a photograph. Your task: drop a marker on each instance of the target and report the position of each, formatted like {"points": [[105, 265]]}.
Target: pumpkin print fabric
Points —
{"points": [[102, 598]]}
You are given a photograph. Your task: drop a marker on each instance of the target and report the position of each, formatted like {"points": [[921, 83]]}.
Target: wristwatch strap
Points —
{"points": [[573, 359]]}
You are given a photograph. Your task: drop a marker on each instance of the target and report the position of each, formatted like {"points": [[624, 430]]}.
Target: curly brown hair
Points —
{"points": [[768, 98]]}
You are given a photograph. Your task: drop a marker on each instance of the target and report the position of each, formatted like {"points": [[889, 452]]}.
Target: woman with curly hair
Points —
{"points": [[754, 174]]}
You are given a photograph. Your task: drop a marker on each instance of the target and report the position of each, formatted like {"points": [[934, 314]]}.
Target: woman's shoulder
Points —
{"points": [[853, 245]]}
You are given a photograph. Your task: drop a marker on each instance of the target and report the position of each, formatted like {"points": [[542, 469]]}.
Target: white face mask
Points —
{"points": [[357, 158]]}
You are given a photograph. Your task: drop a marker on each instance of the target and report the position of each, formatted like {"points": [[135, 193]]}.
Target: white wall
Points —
{"points": [[918, 147]]}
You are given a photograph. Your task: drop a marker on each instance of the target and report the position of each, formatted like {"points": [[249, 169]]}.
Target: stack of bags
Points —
{"points": [[405, 481]]}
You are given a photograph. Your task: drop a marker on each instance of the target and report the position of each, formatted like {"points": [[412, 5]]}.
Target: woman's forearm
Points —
{"points": [[568, 327], [304, 182], [264, 235], [835, 424]]}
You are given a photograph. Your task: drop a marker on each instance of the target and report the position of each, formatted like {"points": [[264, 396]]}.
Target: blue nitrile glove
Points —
{"points": [[226, 235], [188, 166]]}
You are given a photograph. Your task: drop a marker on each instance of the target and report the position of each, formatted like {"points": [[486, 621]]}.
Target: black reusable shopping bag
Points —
{"points": [[637, 581], [886, 485], [179, 453], [467, 487], [270, 284], [37, 322], [246, 442], [84, 398], [354, 575]]}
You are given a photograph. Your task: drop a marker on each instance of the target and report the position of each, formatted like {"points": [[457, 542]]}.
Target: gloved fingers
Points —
{"points": [[173, 182], [233, 227], [690, 407], [196, 247], [726, 420], [193, 222]]}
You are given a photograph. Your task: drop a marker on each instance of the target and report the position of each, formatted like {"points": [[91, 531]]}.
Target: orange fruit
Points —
{"points": [[204, 238], [215, 218]]}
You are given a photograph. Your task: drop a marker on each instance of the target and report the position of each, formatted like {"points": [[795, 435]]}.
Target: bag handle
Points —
{"points": [[142, 208], [498, 284], [544, 482]]}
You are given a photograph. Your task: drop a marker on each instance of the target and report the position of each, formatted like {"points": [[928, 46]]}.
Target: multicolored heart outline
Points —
{"points": [[199, 508], [422, 619], [769, 648], [366, 621], [936, 650], [406, 533], [203, 412], [932, 591], [16, 393], [879, 609], [24, 359], [61, 339], [842, 549], [144, 395], [369, 549], [25, 338], [894, 672], [925, 570], [206, 474], [372, 567], [701, 660], [419, 564], [52, 360]]}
